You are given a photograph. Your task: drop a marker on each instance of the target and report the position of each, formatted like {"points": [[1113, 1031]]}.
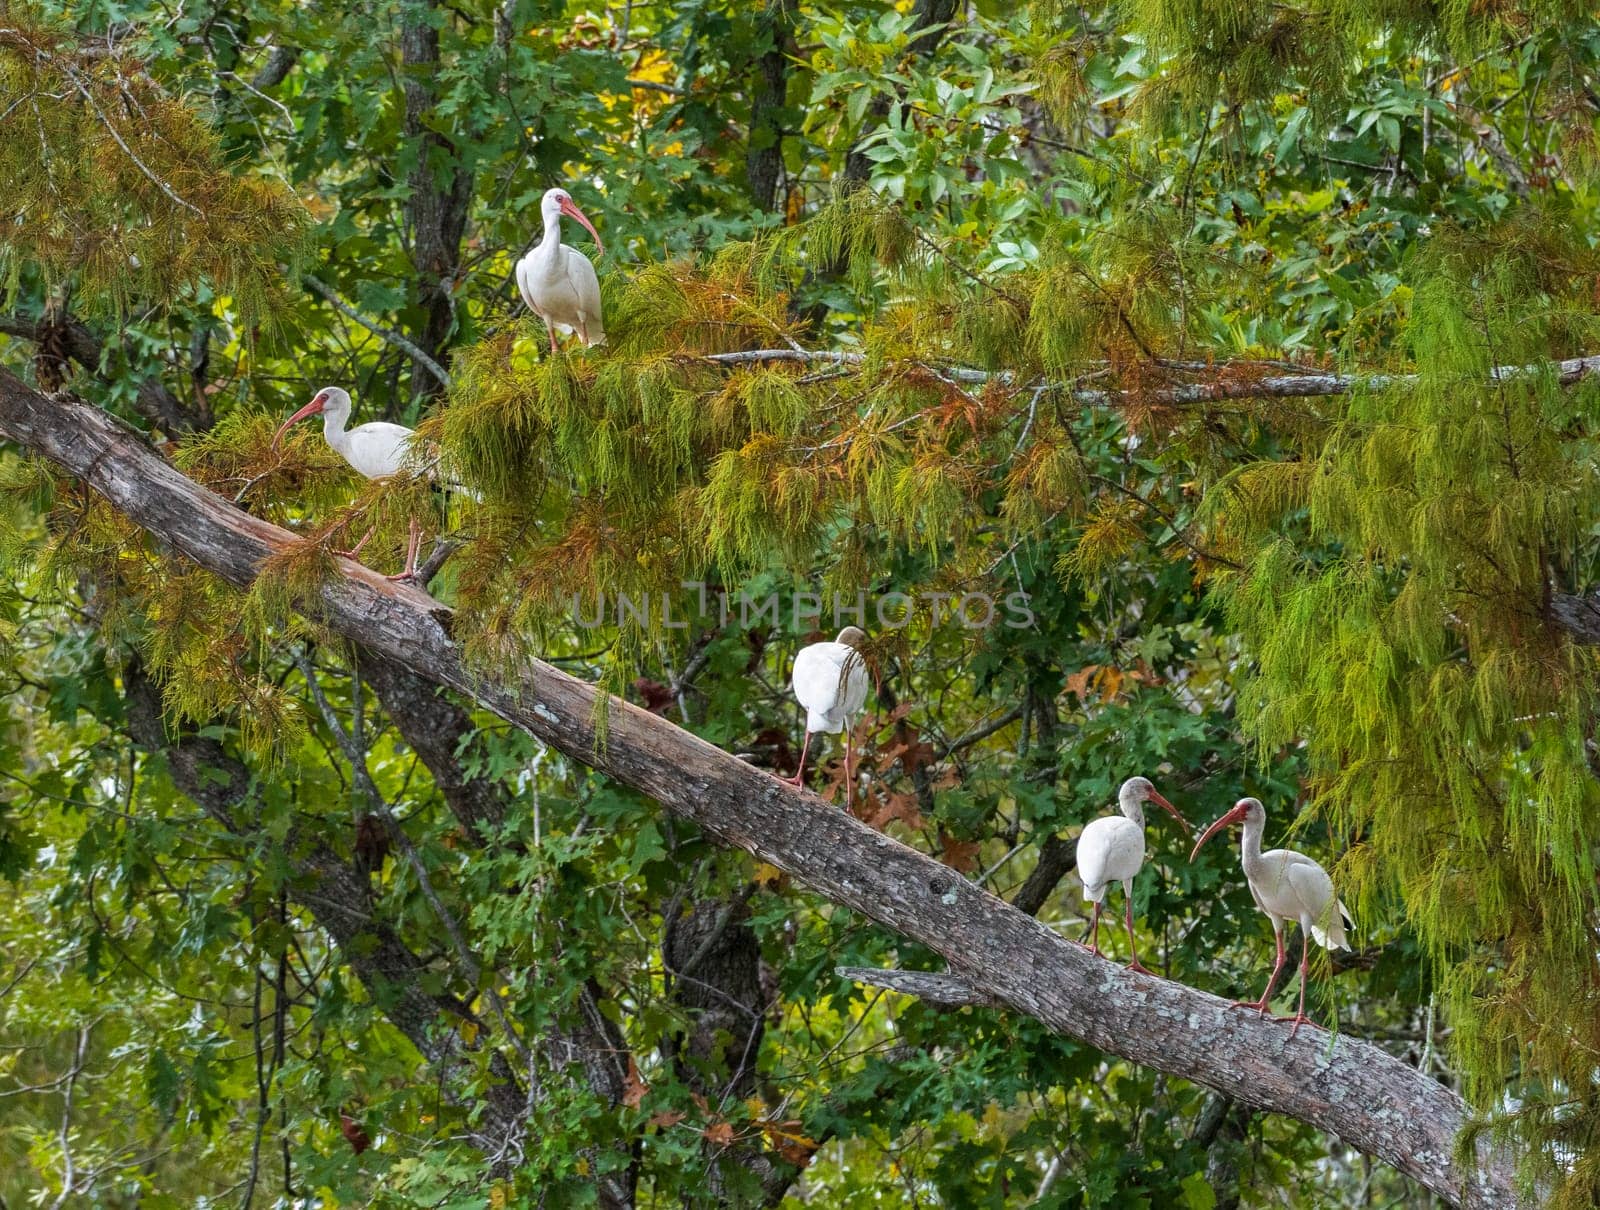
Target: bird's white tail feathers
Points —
{"points": [[1333, 937]]}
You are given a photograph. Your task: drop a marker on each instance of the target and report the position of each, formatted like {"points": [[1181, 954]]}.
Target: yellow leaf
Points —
{"points": [[769, 876], [1109, 682]]}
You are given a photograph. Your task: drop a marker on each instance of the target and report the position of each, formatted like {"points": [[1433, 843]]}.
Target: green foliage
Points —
{"points": [[117, 189], [1045, 254], [1404, 635]]}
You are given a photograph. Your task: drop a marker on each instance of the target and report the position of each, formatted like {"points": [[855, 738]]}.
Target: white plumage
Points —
{"points": [[376, 450], [1111, 849], [557, 282], [1286, 886], [830, 683]]}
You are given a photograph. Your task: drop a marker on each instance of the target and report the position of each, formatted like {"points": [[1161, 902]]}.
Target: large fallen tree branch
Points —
{"points": [[1341, 1085]]}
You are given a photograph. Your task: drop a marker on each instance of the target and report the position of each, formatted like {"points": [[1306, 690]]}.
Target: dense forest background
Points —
{"points": [[1181, 318]]}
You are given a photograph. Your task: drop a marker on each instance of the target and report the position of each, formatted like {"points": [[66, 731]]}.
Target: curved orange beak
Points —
{"points": [[570, 209], [311, 409], [1172, 811], [1234, 816]]}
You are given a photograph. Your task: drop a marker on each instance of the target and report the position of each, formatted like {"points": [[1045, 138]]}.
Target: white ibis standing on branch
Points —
{"points": [[1111, 849], [1286, 886], [557, 282], [376, 449], [830, 681]]}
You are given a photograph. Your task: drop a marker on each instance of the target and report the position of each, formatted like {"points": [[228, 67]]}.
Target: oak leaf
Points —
{"points": [[959, 855], [897, 805], [634, 1088]]}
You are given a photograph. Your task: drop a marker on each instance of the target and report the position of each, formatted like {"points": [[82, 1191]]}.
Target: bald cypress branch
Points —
{"points": [[1338, 1084], [1224, 381]]}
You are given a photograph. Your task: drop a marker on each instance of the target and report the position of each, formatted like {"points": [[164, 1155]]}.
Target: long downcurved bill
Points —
{"points": [[311, 409], [570, 209], [1172, 811], [1232, 817]]}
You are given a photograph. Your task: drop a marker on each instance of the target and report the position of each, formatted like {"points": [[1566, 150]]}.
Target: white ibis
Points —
{"points": [[1111, 849], [376, 449], [1286, 886], [830, 681], [557, 282]]}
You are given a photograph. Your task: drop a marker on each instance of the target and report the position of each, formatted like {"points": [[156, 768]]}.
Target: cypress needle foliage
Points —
{"points": [[1026, 374], [118, 189], [633, 468], [1403, 635]]}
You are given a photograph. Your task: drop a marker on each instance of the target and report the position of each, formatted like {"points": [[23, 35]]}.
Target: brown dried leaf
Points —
{"points": [[634, 1089], [959, 855], [655, 696], [897, 805]]}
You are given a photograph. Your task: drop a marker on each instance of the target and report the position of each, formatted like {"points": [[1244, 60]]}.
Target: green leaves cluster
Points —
{"points": [[1068, 217]]}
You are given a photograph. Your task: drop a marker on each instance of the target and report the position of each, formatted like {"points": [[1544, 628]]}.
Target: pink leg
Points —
{"points": [[551, 329], [799, 774], [1277, 967], [849, 776], [413, 547], [355, 551], [1127, 916], [1300, 1017], [1094, 932]]}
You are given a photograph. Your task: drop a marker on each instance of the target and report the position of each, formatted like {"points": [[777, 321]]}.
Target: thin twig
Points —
{"points": [[358, 765], [378, 330]]}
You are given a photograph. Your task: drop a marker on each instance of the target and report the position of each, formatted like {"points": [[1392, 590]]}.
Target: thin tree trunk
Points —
{"points": [[441, 190], [768, 93]]}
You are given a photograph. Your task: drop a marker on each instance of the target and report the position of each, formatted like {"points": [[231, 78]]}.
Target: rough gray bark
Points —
{"points": [[1341, 1085], [1221, 1131], [1578, 616], [280, 61], [435, 728], [768, 92], [1057, 856], [714, 959], [441, 188], [943, 991]]}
